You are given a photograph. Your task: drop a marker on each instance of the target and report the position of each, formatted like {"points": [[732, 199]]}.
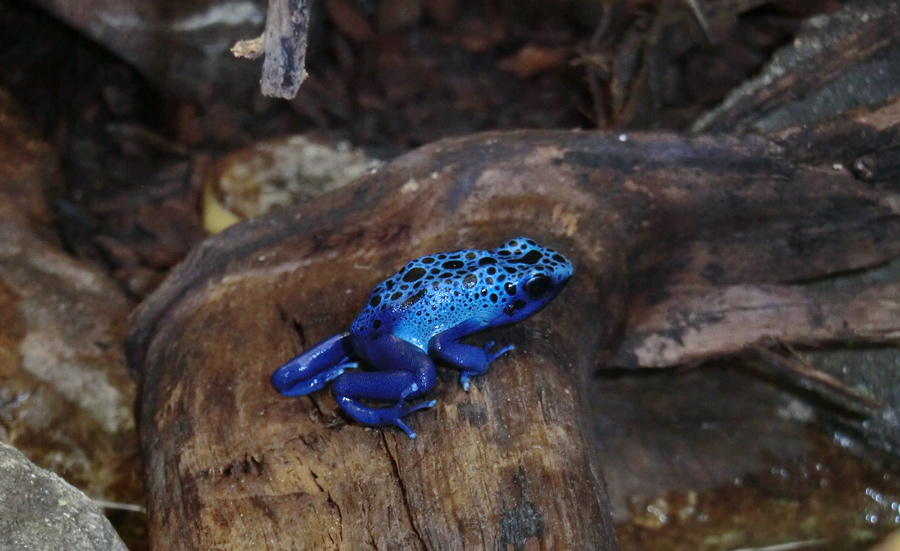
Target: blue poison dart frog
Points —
{"points": [[417, 317]]}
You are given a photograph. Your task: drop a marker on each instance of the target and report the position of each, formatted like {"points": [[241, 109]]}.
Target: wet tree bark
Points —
{"points": [[512, 464]]}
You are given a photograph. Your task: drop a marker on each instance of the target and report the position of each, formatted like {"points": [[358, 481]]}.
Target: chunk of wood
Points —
{"points": [[233, 464], [695, 323]]}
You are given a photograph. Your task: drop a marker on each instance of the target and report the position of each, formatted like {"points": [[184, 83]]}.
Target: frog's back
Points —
{"points": [[436, 292]]}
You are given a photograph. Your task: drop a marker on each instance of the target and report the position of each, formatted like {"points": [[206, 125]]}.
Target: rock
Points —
{"points": [[41, 511]]}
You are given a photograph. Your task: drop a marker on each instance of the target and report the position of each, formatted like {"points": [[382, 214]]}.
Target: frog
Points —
{"points": [[416, 318]]}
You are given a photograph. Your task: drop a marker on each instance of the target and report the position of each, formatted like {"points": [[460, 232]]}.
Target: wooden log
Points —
{"points": [[831, 96], [513, 463], [695, 323]]}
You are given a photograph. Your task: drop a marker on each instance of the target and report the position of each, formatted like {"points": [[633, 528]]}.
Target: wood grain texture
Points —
{"points": [[696, 323]]}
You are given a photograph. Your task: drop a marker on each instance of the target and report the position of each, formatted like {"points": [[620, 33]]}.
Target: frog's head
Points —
{"points": [[535, 276]]}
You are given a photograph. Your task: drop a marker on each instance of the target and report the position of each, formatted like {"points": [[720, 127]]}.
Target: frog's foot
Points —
{"points": [[313, 368], [394, 415], [382, 417], [489, 358], [286, 383]]}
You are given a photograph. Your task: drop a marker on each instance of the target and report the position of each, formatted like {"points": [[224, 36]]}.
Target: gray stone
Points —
{"points": [[41, 511]]}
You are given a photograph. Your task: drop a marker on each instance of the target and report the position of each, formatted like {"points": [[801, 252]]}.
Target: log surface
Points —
{"points": [[512, 464]]}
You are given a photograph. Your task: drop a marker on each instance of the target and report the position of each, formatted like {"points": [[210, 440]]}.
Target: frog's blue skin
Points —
{"points": [[417, 317]]}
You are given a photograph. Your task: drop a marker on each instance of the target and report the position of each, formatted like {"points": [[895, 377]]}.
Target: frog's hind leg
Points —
{"points": [[405, 372], [379, 417], [315, 367]]}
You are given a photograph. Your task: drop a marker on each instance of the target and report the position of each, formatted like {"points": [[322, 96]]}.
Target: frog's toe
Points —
{"points": [[416, 407], [394, 416], [409, 432], [464, 380], [491, 356]]}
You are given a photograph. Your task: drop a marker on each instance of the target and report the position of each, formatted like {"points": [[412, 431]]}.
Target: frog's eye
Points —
{"points": [[538, 286]]}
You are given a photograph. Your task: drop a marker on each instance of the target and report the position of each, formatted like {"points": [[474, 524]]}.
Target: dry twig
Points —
{"points": [[283, 44]]}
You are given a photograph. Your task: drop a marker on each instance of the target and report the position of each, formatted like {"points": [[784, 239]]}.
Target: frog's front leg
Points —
{"points": [[471, 360], [405, 372]]}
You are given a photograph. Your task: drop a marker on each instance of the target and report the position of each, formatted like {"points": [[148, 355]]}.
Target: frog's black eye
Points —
{"points": [[538, 286]]}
